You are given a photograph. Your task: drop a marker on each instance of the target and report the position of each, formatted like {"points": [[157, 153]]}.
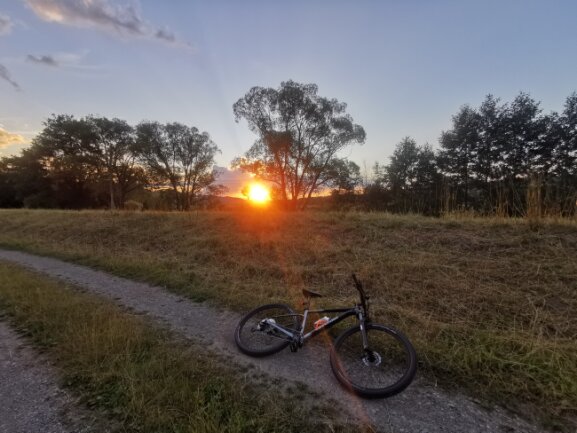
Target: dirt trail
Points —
{"points": [[420, 408], [30, 399]]}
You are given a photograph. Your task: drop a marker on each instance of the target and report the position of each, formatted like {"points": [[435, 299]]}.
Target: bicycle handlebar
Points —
{"points": [[359, 286]]}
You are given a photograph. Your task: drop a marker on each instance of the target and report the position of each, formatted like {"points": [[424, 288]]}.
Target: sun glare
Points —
{"points": [[258, 193]]}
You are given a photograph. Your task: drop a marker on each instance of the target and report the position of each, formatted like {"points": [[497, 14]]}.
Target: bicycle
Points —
{"points": [[369, 359]]}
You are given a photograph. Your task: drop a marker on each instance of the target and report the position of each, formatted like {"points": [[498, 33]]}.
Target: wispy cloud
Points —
{"points": [[5, 28], [5, 75], [42, 60], [124, 20], [70, 61], [7, 138], [5, 24], [165, 35]]}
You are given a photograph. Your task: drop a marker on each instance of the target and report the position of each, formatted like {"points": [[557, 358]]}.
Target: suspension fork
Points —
{"points": [[363, 328]]}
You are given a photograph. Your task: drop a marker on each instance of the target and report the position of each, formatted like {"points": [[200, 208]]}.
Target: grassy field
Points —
{"points": [[116, 362], [491, 305]]}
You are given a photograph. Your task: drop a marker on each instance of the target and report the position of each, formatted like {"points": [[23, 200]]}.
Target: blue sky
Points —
{"points": [[403, 67]]}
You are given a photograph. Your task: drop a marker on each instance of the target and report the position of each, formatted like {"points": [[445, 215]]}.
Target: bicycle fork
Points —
{"points": [[363, 332], [370, 358]]}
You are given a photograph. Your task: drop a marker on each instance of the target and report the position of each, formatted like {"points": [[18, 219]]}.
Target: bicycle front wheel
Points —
{"points": [[386, 368], [255, 334]]}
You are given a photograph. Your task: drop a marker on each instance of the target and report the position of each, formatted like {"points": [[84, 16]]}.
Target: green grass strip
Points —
{"points": [[140, 376]]}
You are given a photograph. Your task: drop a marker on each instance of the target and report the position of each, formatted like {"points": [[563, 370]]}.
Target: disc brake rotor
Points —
{"points": [[371, 359]]}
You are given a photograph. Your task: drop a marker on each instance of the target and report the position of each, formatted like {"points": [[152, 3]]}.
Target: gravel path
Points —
{"points": [[30, 399], [419, 409]]}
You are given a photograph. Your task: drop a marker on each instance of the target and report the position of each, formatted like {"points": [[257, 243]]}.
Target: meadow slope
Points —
{"points": [[491, 305]]}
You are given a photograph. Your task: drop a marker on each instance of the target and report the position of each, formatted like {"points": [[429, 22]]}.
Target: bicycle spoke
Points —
{"points": [[386, 367], [258, 334]]}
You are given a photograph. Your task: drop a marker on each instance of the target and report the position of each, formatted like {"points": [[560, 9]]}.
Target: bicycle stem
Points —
{"points": [[364, 297]]}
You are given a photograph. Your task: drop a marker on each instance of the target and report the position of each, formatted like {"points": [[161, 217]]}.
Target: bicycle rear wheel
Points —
{"points": [[386, 368], [254, 334]]}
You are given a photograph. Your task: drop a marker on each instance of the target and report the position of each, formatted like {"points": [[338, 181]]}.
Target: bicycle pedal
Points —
{"points": [[293, 347]]}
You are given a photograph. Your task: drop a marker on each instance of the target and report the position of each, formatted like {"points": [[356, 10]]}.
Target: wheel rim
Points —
{"points": [[380, 369]]}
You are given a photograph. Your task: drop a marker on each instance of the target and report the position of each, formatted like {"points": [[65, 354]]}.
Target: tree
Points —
{"points": [[344, 175], [523, 130], [564, 157], [412, 178], [24, 181], [487, 159], [401, 173], [177, 155], [459, 146], [7, 189], [299, 137], [115, 157], [67, 149], [90, 160], [566, 154]]}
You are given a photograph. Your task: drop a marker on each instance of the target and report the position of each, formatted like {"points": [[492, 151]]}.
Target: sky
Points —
{"points": [[403, 67]]}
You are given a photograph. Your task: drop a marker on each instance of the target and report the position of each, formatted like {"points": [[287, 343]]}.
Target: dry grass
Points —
{"points": [[491, 304]]}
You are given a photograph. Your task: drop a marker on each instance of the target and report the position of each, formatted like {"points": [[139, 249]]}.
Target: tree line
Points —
{"points": [[96, 162], [504, 158], [499, 158]]}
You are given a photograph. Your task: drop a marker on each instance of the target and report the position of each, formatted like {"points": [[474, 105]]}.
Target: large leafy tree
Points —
{"points": [[299, 136], [89, 159], [178, 156], [67, 150]]}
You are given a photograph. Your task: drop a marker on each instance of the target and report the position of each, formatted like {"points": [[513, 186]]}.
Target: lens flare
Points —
{"points": [[258, 193]]}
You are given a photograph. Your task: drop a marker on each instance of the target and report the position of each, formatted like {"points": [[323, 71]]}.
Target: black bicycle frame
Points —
{"points": [[346, 312], [359, 310]]}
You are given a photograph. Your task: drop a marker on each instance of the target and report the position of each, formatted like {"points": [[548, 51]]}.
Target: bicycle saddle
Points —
{"points": [[311, 294]]}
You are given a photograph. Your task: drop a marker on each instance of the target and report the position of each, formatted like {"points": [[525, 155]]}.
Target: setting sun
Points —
{"points": [[258, 193]]}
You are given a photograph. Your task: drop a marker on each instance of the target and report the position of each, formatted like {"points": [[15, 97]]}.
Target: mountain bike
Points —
{"points": [[368, 359]]}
